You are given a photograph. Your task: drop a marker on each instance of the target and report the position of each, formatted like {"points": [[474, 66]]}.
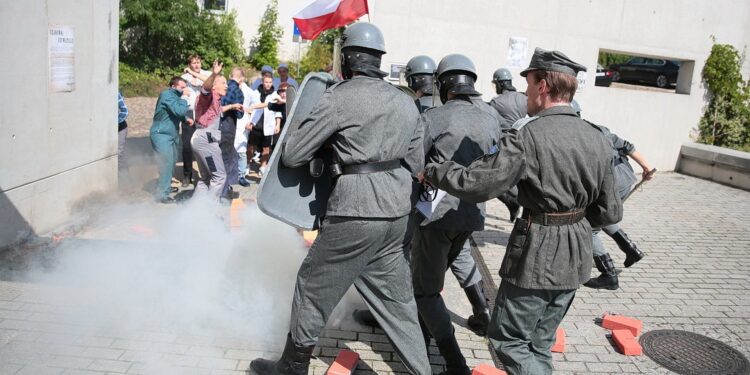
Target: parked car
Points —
{"points": [[603, 76], [660, 72]]}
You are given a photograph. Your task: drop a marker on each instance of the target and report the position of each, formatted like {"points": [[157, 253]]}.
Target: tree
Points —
{"points": [[159, 35], [726, 118], [265, 45]]}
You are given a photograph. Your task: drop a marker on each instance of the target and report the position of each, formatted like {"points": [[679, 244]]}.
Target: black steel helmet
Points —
{"points": [[364, 35]]}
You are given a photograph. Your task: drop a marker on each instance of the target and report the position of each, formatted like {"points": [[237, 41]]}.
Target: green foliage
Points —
{"points": [[265, 45], [319, 55], [134, 82], [608, 58], [726, 118], [158, 34]]}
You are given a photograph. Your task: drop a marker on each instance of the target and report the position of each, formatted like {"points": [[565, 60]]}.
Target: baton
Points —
{"points": [[649, 174]]}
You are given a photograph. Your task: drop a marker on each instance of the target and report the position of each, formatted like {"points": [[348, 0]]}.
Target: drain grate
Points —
{"points": [[689, 353]]}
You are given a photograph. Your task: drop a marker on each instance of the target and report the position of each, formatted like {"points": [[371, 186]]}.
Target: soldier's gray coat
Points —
{"points": [[511, 105], [459, 131], [624, 174], [364, 120], [560, 163]]}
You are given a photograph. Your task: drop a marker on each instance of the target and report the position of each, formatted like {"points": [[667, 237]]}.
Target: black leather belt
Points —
{"points": [[377, 166], [554, 218]]}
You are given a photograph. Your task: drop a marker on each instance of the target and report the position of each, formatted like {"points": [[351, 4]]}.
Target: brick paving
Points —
{"points": [[694, 278]]}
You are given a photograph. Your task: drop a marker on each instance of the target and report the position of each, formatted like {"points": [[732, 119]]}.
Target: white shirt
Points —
{"points": [[269, 116], [194, 85]]}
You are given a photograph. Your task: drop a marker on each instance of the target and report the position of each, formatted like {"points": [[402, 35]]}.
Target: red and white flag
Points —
{"points": [[321, 15]]}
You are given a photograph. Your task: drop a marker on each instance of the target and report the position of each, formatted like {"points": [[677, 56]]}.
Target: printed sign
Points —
{"points": [[517, 51], [62, 76], [396, 71]]}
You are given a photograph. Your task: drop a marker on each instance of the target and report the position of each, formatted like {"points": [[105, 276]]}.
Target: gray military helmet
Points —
{"points": [[365, 35], [502, 74], [456, 62], [419, 65]]}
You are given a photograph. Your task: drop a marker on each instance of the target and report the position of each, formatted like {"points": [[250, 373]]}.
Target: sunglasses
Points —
{"points": [[282, 91]]}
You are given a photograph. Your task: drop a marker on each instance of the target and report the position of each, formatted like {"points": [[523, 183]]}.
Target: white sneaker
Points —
{"points": [[256, 157]]}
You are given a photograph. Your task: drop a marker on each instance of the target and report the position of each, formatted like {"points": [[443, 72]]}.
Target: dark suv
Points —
{"points": [[660, 72]]}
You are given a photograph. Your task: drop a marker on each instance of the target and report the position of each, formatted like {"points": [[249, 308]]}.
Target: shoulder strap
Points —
{"points": [[518, 125]]}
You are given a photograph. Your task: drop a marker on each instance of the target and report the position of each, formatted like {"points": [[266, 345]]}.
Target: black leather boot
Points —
{"points": [[294, 361], [481, 318], [608, 278], [455, 363], [187, 180], [632, 253]]}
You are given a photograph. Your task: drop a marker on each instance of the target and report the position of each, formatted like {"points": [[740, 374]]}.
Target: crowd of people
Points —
{"points": [[562, 178], [225, 126]]}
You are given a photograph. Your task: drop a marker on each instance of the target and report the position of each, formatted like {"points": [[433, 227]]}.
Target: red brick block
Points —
{"points": [[235, 213], [344, 364], [485, 369], [626, 342], [559, 346], [613, 322]]}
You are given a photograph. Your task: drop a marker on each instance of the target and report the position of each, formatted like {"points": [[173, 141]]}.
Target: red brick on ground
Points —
{"points": [[613, 322], [344, 364], [626, 342], [485, 369], [559, 346]]}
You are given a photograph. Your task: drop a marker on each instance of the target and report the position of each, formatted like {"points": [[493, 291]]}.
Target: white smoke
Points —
{"points": [[178, 269]]}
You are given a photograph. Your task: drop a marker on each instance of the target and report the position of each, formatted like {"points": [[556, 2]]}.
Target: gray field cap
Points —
{"points": [[553, 61]]}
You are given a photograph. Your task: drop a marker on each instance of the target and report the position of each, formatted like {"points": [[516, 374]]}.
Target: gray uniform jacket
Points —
{"points": [[364, 120], [624, 174], [560, 163], [459, 131], [424, 103], [511, 105]]}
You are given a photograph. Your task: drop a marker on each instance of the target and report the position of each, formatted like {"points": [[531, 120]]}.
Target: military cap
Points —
{"points": [[553, 61]]}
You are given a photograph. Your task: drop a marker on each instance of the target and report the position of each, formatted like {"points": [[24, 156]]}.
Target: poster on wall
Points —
{"points": [[61, 59], [517, 51]]}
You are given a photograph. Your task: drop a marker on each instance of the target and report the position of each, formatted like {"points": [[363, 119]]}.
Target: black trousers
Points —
{"points": [[187, 150]]}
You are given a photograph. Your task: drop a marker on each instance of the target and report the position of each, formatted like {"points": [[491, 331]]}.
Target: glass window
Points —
{"points": [[215, 4]]}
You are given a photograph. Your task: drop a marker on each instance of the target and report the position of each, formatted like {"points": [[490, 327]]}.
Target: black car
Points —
{"points": [[603, 76], [660, 72]]}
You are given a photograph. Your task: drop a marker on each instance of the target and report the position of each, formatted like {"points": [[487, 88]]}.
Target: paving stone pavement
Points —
{"points": [[694, 278]]}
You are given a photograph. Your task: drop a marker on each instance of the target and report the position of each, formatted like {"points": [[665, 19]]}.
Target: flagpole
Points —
{"points": [[368, 11]]}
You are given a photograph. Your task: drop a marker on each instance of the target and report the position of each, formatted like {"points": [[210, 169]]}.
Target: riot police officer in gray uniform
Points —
{"points": [[374, 132], [459, 131], [509, 103], [563, 168], [419, 74]]}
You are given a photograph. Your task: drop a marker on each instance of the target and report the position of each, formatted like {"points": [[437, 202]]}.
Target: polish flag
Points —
{"points": [[321, 15]]}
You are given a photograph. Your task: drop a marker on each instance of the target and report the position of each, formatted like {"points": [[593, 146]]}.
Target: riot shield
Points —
{"points": [[292, 195]]}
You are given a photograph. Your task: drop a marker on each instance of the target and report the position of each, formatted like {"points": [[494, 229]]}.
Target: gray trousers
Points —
{"points": [[121, 137], [464, 267], [205, 144], [228, 128], [433, 253], [368, 253], [598, 248], [523, 325]]}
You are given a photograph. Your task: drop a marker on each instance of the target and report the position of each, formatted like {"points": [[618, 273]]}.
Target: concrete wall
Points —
{"points": [[657, 122], [55, 147], [722, 165]]}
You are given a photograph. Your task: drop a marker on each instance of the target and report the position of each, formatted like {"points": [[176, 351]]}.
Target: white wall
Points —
{"points": [[656, 122], [55, 148]]}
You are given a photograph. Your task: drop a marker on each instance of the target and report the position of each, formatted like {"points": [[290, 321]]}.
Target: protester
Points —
{"points": [[171, 108], [194, 76], [283, 70], [205, 141], [266, 69], [122, 131], [228, 128], [244, 125]]}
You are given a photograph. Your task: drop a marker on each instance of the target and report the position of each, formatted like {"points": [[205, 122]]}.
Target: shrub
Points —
{"points": [[726, 117]]}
